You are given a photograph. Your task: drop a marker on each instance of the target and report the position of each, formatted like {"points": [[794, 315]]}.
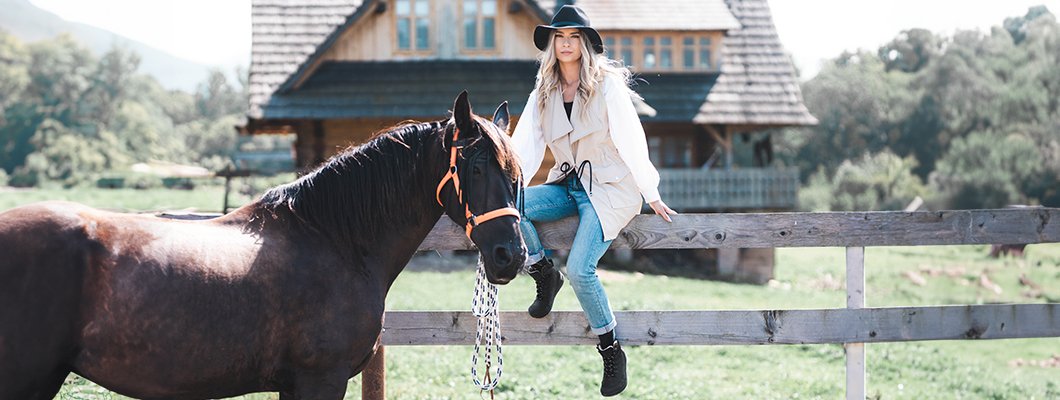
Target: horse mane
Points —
{"points": [[366, 190]]}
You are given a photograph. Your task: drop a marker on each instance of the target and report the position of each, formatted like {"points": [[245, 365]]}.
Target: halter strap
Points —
{"points": [[452, 174]]}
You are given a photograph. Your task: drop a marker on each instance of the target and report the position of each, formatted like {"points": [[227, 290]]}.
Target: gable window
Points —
{"points": [[620, 48], [661, 51], [704, 53], [688, 45], [649, 53], [479, 24], [413, 24], [666, 52]]}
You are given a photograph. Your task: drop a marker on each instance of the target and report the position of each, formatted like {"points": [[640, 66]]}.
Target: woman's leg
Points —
{"points": [[589, 245], [543, 203]]}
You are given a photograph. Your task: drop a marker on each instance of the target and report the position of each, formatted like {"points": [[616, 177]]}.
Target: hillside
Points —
{"points": [[30, 23]]}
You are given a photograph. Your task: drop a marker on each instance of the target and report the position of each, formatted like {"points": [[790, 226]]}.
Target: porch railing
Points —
{"points": [[750, 188]]}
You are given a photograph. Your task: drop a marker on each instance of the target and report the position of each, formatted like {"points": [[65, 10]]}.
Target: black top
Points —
{"points": [[568, 107]]}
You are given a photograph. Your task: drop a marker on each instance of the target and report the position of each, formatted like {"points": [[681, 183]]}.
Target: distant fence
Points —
{"points": [[852, 326]]}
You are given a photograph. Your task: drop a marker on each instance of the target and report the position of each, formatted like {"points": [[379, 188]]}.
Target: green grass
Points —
{"points": [[805, 278]]}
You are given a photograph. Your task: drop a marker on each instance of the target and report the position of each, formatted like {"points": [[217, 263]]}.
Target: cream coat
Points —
{"points": [[609, 135]]}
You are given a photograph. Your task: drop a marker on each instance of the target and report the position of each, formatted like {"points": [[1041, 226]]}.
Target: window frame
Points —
{"points": [[678, 47], [480, 30], [413, 18]]}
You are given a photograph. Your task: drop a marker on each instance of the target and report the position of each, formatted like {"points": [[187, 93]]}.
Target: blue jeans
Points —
{"points": [[546, 203]]}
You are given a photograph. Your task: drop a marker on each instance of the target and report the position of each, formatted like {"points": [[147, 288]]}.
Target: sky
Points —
{"points": [[217, 32]]}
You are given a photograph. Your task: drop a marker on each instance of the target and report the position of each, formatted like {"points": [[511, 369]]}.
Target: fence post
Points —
{"points": [[855, 352], [373, 378]]}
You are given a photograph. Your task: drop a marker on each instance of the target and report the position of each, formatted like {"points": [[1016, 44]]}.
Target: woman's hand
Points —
{"points": [[660, 208]]}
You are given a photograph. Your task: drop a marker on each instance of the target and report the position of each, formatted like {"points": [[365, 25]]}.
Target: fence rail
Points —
{"points": [[680, 328], [852, 326]]}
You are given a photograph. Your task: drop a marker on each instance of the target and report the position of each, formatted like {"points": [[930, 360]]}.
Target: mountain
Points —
{"points": [[31, 23]]}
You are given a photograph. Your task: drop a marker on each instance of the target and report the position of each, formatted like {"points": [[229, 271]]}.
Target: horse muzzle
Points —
{"points": [[505, 262]]}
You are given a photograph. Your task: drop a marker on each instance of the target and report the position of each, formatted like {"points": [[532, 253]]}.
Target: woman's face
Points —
{"points": [[567, 43]]}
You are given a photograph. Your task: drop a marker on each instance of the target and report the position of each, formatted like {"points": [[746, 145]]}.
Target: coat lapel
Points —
{"points": [[558, 117], [582, 126]]}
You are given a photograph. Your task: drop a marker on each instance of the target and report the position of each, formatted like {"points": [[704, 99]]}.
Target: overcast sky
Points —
{"points": [[217, 32]]}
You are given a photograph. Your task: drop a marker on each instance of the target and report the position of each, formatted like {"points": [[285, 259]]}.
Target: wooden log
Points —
{"points": [[829, 229], [871, 325], [855, 352]]}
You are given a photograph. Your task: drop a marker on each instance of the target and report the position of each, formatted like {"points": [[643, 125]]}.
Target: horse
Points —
{"points": [[285, 294]]}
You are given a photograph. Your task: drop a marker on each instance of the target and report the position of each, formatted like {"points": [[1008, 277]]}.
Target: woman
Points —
{"points": [[582, 109]]}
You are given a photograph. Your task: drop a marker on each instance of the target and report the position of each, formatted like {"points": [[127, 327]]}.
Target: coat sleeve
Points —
{"points": [[628, 135], [528, 140]]}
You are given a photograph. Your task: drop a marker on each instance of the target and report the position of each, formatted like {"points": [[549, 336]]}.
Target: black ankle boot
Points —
{"points": [[549, 280], [614, 369]]}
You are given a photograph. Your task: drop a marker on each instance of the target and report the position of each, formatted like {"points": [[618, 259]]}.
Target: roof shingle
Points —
{"points": [[284, 33], [757, 85]]}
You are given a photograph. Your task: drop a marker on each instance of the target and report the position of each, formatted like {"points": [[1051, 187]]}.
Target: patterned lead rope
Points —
{"points": [[484, 307]]}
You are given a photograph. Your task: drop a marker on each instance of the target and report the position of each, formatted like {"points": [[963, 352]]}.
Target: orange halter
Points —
{"points": [[472, 219]]}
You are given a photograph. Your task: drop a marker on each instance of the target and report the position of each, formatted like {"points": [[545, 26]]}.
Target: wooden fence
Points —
{"points": [[852, 326]]}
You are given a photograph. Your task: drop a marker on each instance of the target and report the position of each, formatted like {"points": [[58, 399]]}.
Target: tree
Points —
{"points": [[988, 170], [216, 97], [911, 50]]}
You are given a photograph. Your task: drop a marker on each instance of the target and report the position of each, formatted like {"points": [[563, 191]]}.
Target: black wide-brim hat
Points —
{"points": [[568, 16]]}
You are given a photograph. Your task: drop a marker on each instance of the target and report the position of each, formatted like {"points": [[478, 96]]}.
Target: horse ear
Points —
{"points": [[501, 118], [462, 111]]}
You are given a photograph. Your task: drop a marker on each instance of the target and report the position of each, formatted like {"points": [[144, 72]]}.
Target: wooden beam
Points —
{"points": [[714, 134], [836, 229], [681, 328], [855, 352]]}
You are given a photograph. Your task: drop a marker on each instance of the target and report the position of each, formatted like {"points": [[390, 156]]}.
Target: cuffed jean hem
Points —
{"points": [[532, 259], [605, 328]]}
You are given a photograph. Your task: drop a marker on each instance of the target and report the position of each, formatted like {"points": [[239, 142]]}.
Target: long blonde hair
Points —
{"points": [[595, 69]]}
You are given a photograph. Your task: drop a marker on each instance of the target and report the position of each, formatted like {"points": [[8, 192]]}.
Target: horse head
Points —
{"points": [[480, 188]]}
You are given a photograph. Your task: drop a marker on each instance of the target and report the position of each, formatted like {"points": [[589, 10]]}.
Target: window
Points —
{"points": [[480, 24], [659, 51], [677, 152], [704, 53], [626, 50], [666, 57], [413, 24], [649, 52], [620, 49], [688, 56], [670, 151]]}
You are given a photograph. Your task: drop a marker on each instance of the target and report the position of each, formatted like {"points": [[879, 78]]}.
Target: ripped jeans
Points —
{"points": [[552, 202]]}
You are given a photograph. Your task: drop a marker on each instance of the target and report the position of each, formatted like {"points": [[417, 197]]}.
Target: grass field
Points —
{"points": [[805, 278]]}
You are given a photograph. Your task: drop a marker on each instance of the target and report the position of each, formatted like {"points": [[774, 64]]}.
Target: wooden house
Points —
{"points": [[333, 72]]}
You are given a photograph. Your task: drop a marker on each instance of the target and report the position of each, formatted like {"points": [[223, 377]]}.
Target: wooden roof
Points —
{"points": [[404, 89], [285, 32], [701, 15], [757, 85]]}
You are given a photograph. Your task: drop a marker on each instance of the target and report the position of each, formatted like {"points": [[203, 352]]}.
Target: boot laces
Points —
{"points": [[609, 354]]}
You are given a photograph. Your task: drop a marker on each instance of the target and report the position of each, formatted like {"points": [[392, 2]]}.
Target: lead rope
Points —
{"points": [[488, 326], [488, 332]]}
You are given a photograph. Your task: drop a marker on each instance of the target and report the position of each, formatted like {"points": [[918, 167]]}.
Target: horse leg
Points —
{"points": [[330, 385]]}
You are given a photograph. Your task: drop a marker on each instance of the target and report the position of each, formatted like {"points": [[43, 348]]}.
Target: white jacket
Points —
{"points": [[609, 135]]}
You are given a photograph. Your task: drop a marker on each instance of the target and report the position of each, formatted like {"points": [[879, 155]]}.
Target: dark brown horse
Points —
{"points": [[285, 294]]}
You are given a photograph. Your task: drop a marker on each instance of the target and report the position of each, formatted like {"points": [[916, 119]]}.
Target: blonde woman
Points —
{"points": [[582, 109]]}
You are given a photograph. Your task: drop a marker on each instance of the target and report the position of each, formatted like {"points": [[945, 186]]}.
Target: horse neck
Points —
{"points": [[374, 204]]}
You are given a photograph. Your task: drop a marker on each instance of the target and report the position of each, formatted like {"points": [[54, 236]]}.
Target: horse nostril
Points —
{"points": [[502, 256]]}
